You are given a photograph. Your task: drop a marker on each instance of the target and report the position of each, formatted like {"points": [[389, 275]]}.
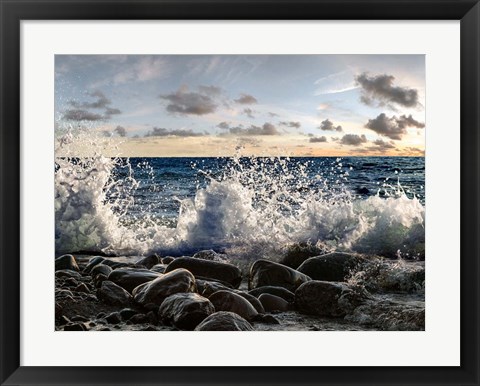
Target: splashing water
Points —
{"points": [[250, 206]]}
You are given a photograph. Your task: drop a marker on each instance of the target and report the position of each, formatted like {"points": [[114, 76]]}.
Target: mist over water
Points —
{"points": [[241, 206]]}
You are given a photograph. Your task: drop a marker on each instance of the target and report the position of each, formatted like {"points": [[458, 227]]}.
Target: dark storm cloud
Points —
{"points": [[223, 125], [382, 145], [120, 130], [380, 89], [249, 112], [393, 128], [82, 115], [293, 124], [266, 129], [327, 125], [318, 139], [185, 102], [161, 132], [353, 139], [246, 99], [81, 110]]}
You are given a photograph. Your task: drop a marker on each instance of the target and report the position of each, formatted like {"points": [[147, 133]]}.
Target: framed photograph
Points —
{"points": [[240, 193]]}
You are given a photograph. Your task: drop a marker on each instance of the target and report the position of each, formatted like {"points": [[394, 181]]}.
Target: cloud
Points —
{"points": [[381, 145], [293, 124], [318, 139], [223, 125], [161, 132], [393, 128], [380, 89], [327, 125], [413, 151], [120, 130], [210, 90], [266, 129], [248, 112], [80, 110], [82, 115], [190, 103], [144, 69], [353, 139], [246, 99]]}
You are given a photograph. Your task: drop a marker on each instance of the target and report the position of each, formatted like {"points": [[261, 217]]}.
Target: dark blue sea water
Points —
{"points": [[165, 182]]}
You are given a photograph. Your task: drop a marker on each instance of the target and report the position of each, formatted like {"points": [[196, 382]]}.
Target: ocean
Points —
{"points": [[240, 205]]}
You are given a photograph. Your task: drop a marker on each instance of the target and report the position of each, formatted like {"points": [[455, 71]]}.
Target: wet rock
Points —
{"points": [[66, 262], [325, 298], [63, 320], [160, 268], [99, 279], [289, 296], [273, 303], [156, 291], [269, 273], [206, 269], [149, 261], [185, 310], [138, 319], [167, 260], [70, 282], [113, 318], [82, 287], [67, 273], [79, 318], [334, 266], [252, 300], [129, 278], [75, 327], [101, 269], [112, 294], [94, 261], [127, 313], [207, 287], [229, 301], [211, 255], [224, 321], [297, 253], [152, 317]]}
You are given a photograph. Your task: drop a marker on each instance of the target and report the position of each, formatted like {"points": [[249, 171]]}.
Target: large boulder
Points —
{"points": [[252, 300], [334, 266], [224, 321], [129, 278], [148, 261], [156, 291], [112, 294], [273, 303], [100, 269], [269, 273], [296, 254], [208, 287], [66, 262], [94, 261], [325, 298], [289, 296], [229, 301], [206, 269], [185, 310], [210, 254]]}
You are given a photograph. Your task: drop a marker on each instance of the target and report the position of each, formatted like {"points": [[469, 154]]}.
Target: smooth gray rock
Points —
{"points": [[229, 301], [289, 296], [334, 266], [156, 291], [100, 269], [211, 255], [296, 254], [208, 287], [224, 321], [112, 294], [149, 261], [185, 310], [206, 269], [67, 273], [326, 298], [273, 303], [66, 262], [269, 273], [129, 278]]}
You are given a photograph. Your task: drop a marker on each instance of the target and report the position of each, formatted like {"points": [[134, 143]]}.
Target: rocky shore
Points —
{"points": [[307, 289]]}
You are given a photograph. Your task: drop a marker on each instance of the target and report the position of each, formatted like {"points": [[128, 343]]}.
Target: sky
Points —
{"points": [[219, 105]]}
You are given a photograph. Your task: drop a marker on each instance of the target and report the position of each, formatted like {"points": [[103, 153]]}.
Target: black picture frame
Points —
{"points": [[13, 11]]}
